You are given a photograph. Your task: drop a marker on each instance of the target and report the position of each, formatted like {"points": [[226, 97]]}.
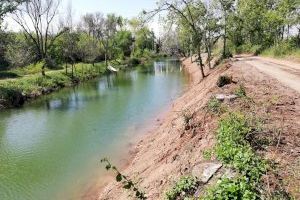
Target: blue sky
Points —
{"points": [[126, 8]]}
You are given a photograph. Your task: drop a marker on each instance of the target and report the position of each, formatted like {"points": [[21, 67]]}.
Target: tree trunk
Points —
{"points": [[225, 33], [200, 62], [43, 70], [106, 64], [72, 70], [66, 68]]}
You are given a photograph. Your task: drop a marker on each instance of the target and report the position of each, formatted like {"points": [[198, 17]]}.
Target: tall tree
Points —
{"points": [[187, 14], [36, 19], [226, 7]]}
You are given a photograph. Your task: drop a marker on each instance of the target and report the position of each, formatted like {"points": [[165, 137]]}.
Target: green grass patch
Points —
{"points": [[282, 50], [185, 187], [215, 106], [234, 150], [241, 91]]}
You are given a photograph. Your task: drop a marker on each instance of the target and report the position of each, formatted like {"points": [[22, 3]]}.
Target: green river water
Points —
{"points": [[50, 149]]}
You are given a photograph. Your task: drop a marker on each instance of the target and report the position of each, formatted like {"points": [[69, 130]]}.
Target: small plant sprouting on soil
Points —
{"points": [[128, 184], [186, 186], [224, 80], [208, 153], [215, 106], [187, 117], [241, 91]]}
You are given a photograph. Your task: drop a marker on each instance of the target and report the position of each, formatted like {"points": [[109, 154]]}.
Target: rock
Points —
{"points": [[231, 97], [205, 171], [220, 97], [223, 97], [229, 173]]}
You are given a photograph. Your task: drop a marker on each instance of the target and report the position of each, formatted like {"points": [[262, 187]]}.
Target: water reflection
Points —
{"points": [[51, 146]]}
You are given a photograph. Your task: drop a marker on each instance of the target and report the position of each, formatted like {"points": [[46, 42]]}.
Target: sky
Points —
{"points": [[125, 8]]}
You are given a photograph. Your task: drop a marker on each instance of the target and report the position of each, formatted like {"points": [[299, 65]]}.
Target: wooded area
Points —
{"points": [[231, 27], [55, 41], [222, 27]]}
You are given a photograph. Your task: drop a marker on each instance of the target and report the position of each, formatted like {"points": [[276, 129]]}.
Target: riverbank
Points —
{"points": [[185, 141], [15, 92]]}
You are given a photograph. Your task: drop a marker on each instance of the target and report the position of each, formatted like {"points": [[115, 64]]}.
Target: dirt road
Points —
{"points": [[288, 73]]}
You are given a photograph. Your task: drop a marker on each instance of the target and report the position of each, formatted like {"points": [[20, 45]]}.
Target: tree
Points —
{"points": [[88, 48], [144, 39], [19, 51], [123, 40], [211, 33], [7, 6], [187, 14], [226, 7], [35, 18]]}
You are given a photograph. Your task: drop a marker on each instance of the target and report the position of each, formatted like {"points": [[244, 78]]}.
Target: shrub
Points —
{"points": [[183, 188], [233, 149], [241, 91], [224, 80], [134, 61], [214, 105]]}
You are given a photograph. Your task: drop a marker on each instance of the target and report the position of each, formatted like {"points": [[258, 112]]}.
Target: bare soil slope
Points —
{"points": [[172, 150]]}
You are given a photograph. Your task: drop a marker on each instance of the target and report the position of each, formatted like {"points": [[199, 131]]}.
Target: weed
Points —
{"points": [[241, 91], [186, 186], [208, 153], [128, 184], [224, 80], [215, 106], [187, 117], [233, 149]]}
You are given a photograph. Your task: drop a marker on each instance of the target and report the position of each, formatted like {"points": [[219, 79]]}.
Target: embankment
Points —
{"points": [[171, 151], [177, 147]]}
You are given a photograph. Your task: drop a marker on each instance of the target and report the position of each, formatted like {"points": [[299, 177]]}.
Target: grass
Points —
{"points": [[215, 106], [282, 50], [241, 91], [183, 188]]}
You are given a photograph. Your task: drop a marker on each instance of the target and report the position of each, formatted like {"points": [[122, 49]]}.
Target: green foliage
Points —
{"points": [[128, 184], [282, 49], [208, 153], [185, 187], [214, 105], [19, 51], [33, 84], [224, 80], [241, 91], [233, 149], [134, 61], [124, 42], [7, 6]]}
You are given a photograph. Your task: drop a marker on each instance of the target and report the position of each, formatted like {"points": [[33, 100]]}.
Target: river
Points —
{"points": [[50, 149]]}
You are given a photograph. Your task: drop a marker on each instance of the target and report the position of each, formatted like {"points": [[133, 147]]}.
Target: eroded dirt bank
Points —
{"points": [[173, 150]]}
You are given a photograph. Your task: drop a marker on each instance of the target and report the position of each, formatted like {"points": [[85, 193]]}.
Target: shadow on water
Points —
{"points": [[51, 147]]}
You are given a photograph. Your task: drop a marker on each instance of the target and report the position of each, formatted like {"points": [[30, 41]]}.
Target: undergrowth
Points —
{"points": [[128, 184], [185, 187], [234, 150], [215, 106]]}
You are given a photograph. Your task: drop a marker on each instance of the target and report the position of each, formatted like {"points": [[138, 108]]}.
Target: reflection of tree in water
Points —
{"points": [[166, 66], [119, 79], [74, 99]]}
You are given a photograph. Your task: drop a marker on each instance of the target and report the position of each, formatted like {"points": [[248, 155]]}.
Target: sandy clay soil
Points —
{"points": [[173, 150]]}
